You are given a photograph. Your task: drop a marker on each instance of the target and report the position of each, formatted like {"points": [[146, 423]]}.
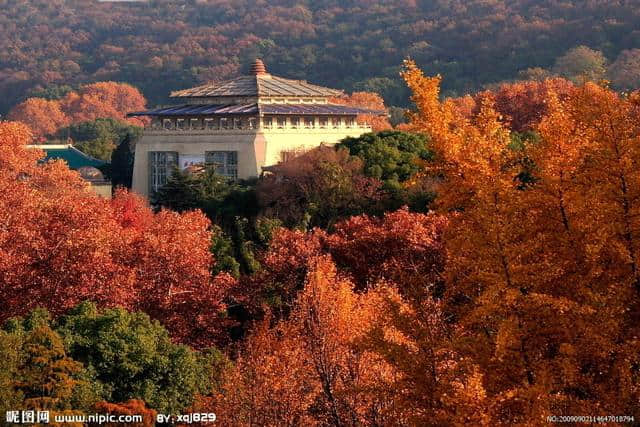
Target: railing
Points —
{"points": [[244, 130]]}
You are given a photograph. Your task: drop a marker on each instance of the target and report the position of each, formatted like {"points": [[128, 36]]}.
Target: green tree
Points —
{"points": [[394, 157], [581, 63], [132, 357], [389, 155], [99, 138], [52, 92], [232, 205], [121, 170], [397, 116], [392, 90], [221, 199], [223, 250]]}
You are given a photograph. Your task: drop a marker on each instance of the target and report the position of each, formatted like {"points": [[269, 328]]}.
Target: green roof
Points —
{"points": [[74, 157]]}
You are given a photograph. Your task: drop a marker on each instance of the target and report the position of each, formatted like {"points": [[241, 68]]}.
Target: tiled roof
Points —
{"points": [[290, 109], [75, 158], [200, 110], [257, 86], [259, 83]]}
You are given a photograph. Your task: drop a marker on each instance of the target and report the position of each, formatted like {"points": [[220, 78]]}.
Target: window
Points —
{"points": [[161, 166], [224, 123], [224, 162], [324, 122], [309, 122], [237, 123], [167, 124], [336, 122], [350, 122], [282, 122], [295, 122], [210, 124], [196, 124], [251, 123], [268, 122], [181, 124]]}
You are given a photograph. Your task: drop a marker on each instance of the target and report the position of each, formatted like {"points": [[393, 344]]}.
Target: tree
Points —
{"points": [[447, 388], [11, 349], [370, 101], [103, 100], [581, 63], [536, 74], [100, 137], [625, 70], [521, 104], [317, 188], [402, 248], [389, 155], [122, 162], [472, 46], [304, 370], [46, 375], [397, 116], [232, 205], [100, 100], [63, 245], [130, 407], [284, 268], [130, 356], [527, 273], [52, 92], [42, 116]]}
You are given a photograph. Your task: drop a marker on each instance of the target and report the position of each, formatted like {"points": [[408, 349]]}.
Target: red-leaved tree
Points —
{"points": [[60, 244]]}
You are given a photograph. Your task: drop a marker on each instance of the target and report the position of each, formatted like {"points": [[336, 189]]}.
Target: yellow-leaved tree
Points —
{"points": [[541, 276]]}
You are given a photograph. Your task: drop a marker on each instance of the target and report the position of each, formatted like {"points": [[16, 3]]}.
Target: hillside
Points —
{"points": [[162, 45]]}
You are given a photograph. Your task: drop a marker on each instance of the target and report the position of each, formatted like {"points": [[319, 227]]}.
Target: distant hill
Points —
{"points": [[161, 45]]}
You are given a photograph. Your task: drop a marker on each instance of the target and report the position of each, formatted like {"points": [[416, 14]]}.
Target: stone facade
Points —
{"points": [[239, 126]]}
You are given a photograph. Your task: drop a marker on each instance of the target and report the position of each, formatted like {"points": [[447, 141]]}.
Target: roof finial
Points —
{"points": [[258, 68]]}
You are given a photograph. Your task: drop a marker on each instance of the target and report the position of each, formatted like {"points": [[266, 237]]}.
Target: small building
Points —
{"points": [[240, 126], [84, 164]]}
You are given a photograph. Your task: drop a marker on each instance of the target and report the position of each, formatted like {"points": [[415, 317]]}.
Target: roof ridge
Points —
{"points": [[306, 83], [258, 85], [85, 155]]}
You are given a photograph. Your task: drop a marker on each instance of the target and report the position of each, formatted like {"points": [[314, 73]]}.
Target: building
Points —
{"points": [[86, 166], [239, 126]]}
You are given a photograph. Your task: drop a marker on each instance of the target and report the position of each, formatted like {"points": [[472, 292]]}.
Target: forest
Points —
{"points": [[474, 260], [49, 47], [479, 267]]}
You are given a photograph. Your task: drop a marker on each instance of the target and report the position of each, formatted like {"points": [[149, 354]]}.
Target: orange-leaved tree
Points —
{"points": [[130, 407], [541, 278], [90, 102], [307, 369], [44, 117], [102, 100]]}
